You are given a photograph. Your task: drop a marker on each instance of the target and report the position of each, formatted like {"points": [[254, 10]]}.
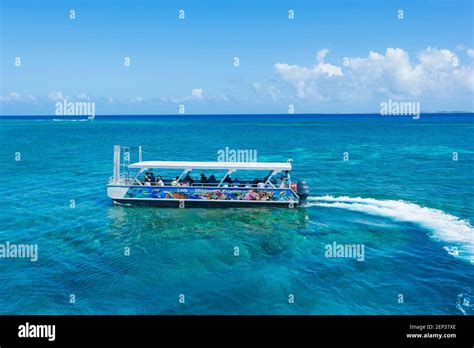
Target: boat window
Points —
{"points": [[167, 175], [209, 178], [249, 176], [203, 177]]}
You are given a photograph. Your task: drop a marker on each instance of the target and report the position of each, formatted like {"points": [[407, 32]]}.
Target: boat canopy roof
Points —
{"points": [[213, 165]]}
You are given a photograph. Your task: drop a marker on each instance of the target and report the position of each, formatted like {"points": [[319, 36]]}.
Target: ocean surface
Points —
{"points": [[401, 194]]}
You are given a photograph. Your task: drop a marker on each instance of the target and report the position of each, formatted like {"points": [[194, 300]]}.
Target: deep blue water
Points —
{"points": [[400, 195]]}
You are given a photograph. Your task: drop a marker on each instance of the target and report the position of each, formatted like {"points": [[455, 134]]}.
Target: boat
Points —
{"points": [[131, 184]]}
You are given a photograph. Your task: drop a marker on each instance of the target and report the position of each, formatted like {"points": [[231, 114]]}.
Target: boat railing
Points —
{"points": [[204, 185], [227, 185], [124, 181]]}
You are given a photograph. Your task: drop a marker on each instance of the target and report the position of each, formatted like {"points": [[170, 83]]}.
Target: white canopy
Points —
{"points": [[213, 165]]}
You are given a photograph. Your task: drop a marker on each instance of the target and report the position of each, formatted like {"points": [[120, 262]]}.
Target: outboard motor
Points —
{"points": [[303, 190]]}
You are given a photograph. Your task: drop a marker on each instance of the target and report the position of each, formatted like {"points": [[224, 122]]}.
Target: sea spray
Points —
{"points": [[444, 227]]}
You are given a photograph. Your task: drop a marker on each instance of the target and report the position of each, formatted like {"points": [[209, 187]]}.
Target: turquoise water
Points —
{"points": [[400, 195]]}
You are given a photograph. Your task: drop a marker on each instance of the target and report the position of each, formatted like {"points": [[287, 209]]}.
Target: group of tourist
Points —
{"points": [[149, 179], [281, 182]]}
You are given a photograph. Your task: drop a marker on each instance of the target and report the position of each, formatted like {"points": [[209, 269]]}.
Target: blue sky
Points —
{"points": [[320, 61]]}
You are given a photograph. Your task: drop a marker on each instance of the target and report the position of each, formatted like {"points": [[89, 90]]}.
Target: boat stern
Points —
{"points": [[302, 189]]}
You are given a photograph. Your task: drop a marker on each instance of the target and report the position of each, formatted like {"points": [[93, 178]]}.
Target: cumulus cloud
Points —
{"points": [[303, 78], [321, 55], [470, 52], [301, 73], [433, 72], [436, 72]]}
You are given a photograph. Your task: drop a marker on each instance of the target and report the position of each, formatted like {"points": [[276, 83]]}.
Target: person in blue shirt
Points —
{"points": [[152, 178]]}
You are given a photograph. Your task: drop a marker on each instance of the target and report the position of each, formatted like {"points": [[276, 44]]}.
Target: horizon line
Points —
{"points": [[242, 114]]}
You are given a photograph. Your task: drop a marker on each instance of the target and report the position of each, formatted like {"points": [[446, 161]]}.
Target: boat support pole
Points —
{"points": [[116, 177], [230, 171], [186, 171], [271, 175]]}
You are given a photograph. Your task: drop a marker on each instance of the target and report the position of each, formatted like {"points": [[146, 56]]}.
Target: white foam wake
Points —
{"points": [[457, 233], [69, 120]]}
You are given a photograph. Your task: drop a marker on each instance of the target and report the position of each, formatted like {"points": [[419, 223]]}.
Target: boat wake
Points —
{"points": [[457, 233], [70, 120]]}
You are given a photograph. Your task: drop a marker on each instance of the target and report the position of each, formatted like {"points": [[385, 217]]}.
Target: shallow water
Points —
{"points": [[400, 195]]}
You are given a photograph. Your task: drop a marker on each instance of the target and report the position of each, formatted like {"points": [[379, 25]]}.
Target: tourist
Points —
{"points": [[147, 179], [152, 178], [212, 179], [159, 182], [286, 178], [175, 182], [188, 179]]}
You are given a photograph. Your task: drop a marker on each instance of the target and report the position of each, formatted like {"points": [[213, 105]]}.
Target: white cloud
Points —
{"points": [[321, 55], [266, 91], [302, 78], [13, 97], [301, 73], [196, 93], [470, 52], [435, 59], [436, 72], [137, 100], [53, 96], [391, 72], [56, 96]]}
